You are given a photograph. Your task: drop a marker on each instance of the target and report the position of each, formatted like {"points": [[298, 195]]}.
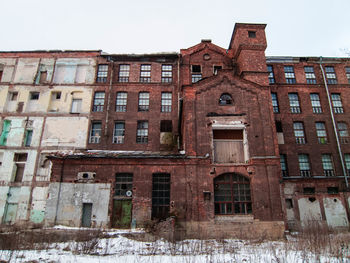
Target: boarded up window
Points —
{"points": [[228, 146]]}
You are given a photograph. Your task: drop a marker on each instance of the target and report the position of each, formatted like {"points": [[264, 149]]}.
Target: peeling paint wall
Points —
{"points": [[309, 210], [39, 196], [9, 68], [71, 198], [26, 70], [335, 212], [73, 70]]}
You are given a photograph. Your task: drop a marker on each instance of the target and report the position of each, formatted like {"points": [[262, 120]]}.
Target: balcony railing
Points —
{"points": [[329, 172], [305, 173]]}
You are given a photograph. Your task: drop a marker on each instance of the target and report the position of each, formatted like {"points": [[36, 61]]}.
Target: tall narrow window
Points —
{"points": [[6, 126], [124, 71], [119, 132], [343, 132], [121, 102], [95, 133], [166, 102], [143, 101], [160, 196], [304, 165], [284, 167], [315, 103], [102, 73], [327, 164], [275, 102], [167, 73], [196, 71], [330, 75], [145, 73], [76, 106], [310, 75], [337, 104], [28, 138], [294, 103], [321, 132], [271, 75], [232, 194], [299, 133], [20, 160], [347, 71], [347, 162], [99, 100], [289, 74], [142, 132]]}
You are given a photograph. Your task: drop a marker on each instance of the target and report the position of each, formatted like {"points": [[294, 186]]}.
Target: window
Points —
{"points": [[347, 162], [309, 190], [34, 95], [228, 146], [145, 73], [5, 131], [321, 132], [343, 132], [119, 132], [225, 99], [332, 190], [1, 73], [284, 167], [196, 73], [347, 71], [160, 196], [289, 74], [95, 133], [121, 102], [278, 125], [251, 34], [271, 75], [299, 132], [337, 104], [99, 100], [216, 69], [304, 165], [42, 77], [275, 102], [28, 138], [142, 132], [56, 95], [123, 185], [310, 75], [315, 103], [143, 101], [330, 75], [294, 103], [76, 106], [102, 73], [166, 102], [327, 164], [20, 160], [124, 71], [167, 73], [13, 95], [232, 194]]}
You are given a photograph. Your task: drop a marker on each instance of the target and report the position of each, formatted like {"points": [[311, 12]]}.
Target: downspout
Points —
{"points": [[334, 125], [109, 95], [179, 105], [59, 190]]}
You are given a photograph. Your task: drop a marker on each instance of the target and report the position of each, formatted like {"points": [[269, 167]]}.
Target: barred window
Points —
{"points": [[304, 165], [99, 100], [167, 73], [143, 101], [119, 132], [145, 73], [327, 164], [142, 132], [321, 132], [337, 104], [271, 75], [294, 103], [310, 75], [299, 133], [121, 101], [102, 73], [289, 74], [330, 75], [315, 103], [124, 71], [166, 102], [275, 102]]}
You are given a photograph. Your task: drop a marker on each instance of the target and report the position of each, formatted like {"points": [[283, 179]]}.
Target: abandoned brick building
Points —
{"points": [[225, 140]]}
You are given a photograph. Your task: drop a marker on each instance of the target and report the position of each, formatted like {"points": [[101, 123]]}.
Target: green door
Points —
{"points": [[10, 213], [121, 213]]}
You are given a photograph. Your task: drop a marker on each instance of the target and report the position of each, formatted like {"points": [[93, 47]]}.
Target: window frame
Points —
{"points": [[167, 73], [289, 74], [305, 163], [143, 102], [284, 165], [121, 101], [299, 132], [294, 103], [343, 132], [102, 73], [119, 132], [145, 73], [327, 164], [142, 132], [321, 132], [271, 74], [274, 99], [337, 104], [331, 75], [166, 102], [94, 136], [98, 102], [310, 75], [315, 103], [124, 73]]}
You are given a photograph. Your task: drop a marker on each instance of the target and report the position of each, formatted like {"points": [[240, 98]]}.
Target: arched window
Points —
{"points": [[225, 99], [232, 194]]}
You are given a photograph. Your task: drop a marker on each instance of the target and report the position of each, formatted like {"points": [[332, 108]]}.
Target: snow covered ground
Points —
{"points": [[117, 246]]}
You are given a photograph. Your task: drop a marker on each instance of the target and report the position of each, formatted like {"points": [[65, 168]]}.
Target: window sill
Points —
{"points": [[234, 218]]}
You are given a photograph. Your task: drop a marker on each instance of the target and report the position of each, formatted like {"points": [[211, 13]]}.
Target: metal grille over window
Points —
{"points": [[123, 185], [160, 196], [275, 103], [145, 73], [95, 133], [167, 73], [283, 161], [232, 195], [330, 75], [299, 133], [121, 102], [102, 73], [99, 100], [327, 164], [166, 102], [142, 132], [119, 132], [304, 165], [315, 103], [271, 75], [225, 99], [294, 103], [310, 75], [343, 132], [321, 132], [124, 71], [143, 101], [289, 74], [337, 104]]}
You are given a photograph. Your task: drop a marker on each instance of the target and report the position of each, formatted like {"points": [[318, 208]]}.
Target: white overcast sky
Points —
{"points": [[294, 28]]}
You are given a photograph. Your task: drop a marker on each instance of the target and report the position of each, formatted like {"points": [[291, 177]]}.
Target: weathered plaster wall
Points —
{"points": [[39, 196], [74, 70], [309, 210], [335, 212], [71, 198], [26, 70], [9, 67]]}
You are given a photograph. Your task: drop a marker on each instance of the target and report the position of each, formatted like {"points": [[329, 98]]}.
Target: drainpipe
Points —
{"points": [[334, 125]]}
